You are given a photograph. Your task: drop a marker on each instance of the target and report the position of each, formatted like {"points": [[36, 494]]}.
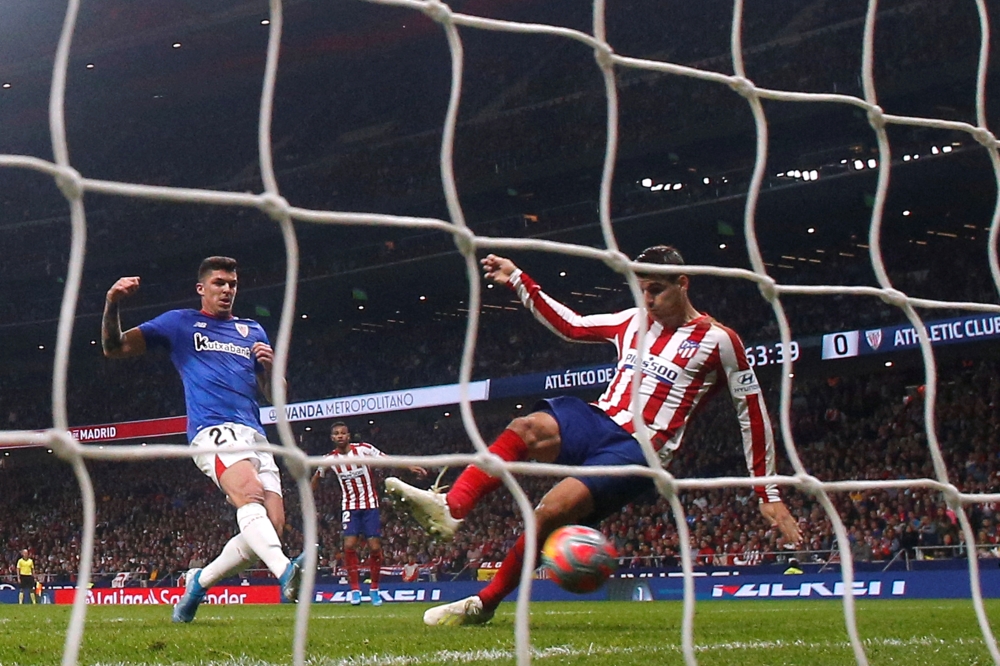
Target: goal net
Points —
{"points": [[611, 66]]}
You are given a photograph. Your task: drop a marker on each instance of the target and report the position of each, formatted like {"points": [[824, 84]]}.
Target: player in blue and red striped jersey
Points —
{"points": [[686, 357], [359, 508], [223, 361]]}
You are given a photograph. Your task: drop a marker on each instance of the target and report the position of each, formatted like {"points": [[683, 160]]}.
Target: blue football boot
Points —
{"points": [[291, 580], [185, 609]]}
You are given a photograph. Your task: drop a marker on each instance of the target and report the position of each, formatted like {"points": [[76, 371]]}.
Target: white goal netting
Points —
{"points": [[74, 185]]}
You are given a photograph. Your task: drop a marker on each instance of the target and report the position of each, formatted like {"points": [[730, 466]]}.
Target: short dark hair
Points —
{"points": [[336, 424], [209, 264], [664, 255]]}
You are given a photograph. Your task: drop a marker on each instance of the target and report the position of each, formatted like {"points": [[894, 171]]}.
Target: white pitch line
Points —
{"points": [[477, 656]]}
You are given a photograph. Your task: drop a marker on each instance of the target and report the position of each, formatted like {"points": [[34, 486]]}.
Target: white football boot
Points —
{"points": [[428, 507], [464, 611]]}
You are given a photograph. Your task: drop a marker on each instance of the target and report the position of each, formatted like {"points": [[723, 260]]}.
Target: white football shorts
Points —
{"points": [[215, 440]]}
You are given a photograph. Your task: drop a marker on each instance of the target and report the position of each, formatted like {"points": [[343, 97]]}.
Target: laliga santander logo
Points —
{"points": [[168, 596]]}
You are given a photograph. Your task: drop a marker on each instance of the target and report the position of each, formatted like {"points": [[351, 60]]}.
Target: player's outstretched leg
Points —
{"points": [[480, 608], [569, 501], [259, 523], [428, 507], [441, 514], [185, 609]]}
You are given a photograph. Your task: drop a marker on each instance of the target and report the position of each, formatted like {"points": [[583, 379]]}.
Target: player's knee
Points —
{"points": [[535, 429], [522, 426], [251, 496]]}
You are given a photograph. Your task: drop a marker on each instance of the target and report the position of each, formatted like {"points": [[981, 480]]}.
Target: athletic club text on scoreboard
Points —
{"points": [[848, 344]]}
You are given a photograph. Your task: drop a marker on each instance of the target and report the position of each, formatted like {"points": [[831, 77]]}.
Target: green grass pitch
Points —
{"points": [[744, 633]]}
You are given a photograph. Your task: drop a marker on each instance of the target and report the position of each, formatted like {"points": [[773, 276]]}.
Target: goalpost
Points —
{"points": [[73, 186]]}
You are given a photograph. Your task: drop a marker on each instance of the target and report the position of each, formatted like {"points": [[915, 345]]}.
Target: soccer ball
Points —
{"points": [[579, 559]]}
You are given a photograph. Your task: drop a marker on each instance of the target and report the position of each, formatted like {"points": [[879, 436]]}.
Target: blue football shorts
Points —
{"points": [[590, 438], [362, 522]]}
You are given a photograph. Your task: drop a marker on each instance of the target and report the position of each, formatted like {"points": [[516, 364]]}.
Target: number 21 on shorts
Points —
{"points": [[222, 435]]}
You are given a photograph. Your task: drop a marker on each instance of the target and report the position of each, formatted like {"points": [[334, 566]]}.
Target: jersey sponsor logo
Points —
{"points": [[351, 474], [243, 329], [203, 343], [654, 366], [874, 338], [201, 324], [859, 588], [744, 383], [688, 348]]}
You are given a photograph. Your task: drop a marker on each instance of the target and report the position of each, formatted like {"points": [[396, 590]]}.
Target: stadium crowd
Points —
{"points": [[365, 355], [156, 519]]}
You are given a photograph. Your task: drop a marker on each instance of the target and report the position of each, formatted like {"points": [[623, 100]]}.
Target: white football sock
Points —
{"points": [[235, 557], [259, 534]]}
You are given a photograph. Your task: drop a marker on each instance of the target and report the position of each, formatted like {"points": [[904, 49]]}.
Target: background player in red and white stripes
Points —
{"points": [[685, 357], [359, 507]]}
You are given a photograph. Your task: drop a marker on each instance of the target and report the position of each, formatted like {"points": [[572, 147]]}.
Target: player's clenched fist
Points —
{"points": [[497, 269], [263, 353], [125, 286]]}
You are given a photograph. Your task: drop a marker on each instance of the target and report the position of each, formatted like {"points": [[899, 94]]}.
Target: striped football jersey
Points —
{"points": [[357, 484], [680, 368]]}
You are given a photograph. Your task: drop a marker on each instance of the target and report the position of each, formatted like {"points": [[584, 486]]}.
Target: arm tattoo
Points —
{"points": [[111, 328]]}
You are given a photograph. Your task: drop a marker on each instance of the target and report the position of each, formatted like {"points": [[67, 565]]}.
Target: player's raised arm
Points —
{"points": [[115, 343], [558, 318]]}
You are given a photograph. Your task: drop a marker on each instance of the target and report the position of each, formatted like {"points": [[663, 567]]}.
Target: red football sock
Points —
{"points": [[375, 562], [507, 578], [474, 483], [351, 562]]}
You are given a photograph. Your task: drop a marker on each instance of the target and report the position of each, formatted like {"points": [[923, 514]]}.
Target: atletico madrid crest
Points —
{"points": [[687, 349]]}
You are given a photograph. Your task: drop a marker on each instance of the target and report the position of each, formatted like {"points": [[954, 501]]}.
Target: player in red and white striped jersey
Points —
{"points": [[685, 357], [359, 507], [357, 487]]}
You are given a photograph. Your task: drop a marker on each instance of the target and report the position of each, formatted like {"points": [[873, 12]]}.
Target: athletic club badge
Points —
{"points": [[874, 338], [243, 329]]}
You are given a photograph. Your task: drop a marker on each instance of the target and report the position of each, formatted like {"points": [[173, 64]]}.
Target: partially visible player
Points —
{"points": [[686, 356], [359, 508], [223, 361], [26, 576]]}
